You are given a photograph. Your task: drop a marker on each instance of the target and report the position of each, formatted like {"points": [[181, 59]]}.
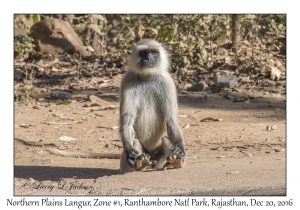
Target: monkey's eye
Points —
{"points": [[154, 53], [143, 53]]}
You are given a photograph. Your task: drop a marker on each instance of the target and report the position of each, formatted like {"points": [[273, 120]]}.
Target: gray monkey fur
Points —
{"points": [[148, 109]]}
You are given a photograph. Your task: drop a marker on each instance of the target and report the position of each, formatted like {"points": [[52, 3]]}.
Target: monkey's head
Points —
{"points": [[148, 57]]}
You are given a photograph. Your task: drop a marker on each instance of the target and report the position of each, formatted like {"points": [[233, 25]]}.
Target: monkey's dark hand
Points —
{"points": [[131, 155], [178, 150]]}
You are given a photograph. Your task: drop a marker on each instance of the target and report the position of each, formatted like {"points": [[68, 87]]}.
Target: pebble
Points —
{"points": [[35, 107], [279, 149], [271, 128], [61, 94], [109, 145], [233, 172], [228, 81]]}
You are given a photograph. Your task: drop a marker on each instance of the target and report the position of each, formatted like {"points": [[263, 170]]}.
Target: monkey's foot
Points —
{"points": [[173, 162], [143, 161]]}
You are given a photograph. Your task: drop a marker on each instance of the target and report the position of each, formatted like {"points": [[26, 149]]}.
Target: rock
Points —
{"points": [[97, 100], [109, 145], [202, 86], [271, 128], [279, 149], [102, 85], [66, 138], [56, 36], [61, 95], [35, 107], [228, 81], [114, 127]]}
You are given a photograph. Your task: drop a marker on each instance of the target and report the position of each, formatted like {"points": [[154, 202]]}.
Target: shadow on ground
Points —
{"points": [[41, 173]]}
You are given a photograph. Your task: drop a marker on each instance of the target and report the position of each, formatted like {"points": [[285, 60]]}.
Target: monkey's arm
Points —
{"points": [[170, 110], [176, 136], [176, 159], [127, 117]]}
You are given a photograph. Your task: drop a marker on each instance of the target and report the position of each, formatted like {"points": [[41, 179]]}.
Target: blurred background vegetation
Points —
{"points": [[250, 46], [191, 39]]}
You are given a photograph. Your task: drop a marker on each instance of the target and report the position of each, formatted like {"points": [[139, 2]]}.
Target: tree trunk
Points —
{"points": [[236, 36]]}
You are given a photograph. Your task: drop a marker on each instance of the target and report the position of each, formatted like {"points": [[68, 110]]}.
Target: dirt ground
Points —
{"points": [[234, 156]]}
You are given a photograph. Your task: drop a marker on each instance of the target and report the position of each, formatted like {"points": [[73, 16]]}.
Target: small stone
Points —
{"points": [[233, 172], [279, 149], [61, 95], [97, 100], [94, 104], [35, 107], [102, 85], [273, 127], [109, 146], [66, 138], [228, 81], [201, 86], [187, 126]]}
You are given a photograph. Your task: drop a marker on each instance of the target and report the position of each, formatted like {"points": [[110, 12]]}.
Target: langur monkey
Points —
{"points": [[148, 109]]}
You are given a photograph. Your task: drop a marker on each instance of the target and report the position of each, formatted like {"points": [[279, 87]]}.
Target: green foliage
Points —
{"points": [[192, 38], [187, 36], [23, 46], [85, 25], [26, 21], [63, 102], [36, 18]]}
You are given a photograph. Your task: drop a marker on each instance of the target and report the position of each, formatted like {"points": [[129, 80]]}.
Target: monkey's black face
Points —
{"points": [[148, 58]]}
